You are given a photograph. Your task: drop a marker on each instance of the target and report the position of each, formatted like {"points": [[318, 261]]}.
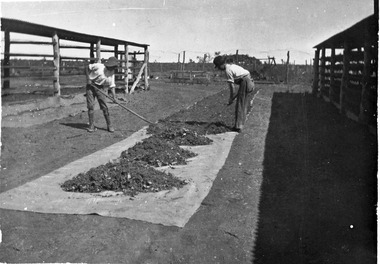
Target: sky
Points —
{"points": [[259, 28]]}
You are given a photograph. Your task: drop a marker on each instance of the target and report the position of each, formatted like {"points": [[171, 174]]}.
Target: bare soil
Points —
{"points": [[299, 186]]}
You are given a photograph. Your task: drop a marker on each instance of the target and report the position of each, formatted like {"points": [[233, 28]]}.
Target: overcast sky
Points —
{"points": [[259, 28]]}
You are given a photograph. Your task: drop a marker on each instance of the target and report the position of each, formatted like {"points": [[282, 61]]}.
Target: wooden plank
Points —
{"points": [[31, 42], [355, 77], [356, 66], [73, 47], [357, 55], [15, 67], [134, 61], [339, 58], [138, 78], [77, 58], [327, 59], [28, 55], [28, 76]]}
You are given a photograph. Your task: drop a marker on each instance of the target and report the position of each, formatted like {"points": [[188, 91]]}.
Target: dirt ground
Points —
{"points": [[314, 200]]}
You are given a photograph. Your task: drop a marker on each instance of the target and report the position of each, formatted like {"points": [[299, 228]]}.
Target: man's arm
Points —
{"points": [[232, 89], [87, 72]]}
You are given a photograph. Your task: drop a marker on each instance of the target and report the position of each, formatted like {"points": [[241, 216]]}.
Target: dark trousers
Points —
{"points": [[91, 94], [245, 92]]}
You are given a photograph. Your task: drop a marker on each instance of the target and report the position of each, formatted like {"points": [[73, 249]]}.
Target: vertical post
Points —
{"points": [[204, 61], [364, 103], [287, 68], [57, 87], [237, 56], [126, 78], [332, 74], [92, 53], [343, 86], [98, 53], [179, 61], [316, 72], [116, 51], [322, 72], [7, 45], [183, 61], [116, 54], [146, 62]]}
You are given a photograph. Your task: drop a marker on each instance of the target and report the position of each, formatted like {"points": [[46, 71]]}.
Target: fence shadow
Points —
{"points": [[319, 189]]}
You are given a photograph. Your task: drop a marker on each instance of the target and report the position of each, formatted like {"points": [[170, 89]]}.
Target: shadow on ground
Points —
{"points": [[319, 190], [82, 126]]}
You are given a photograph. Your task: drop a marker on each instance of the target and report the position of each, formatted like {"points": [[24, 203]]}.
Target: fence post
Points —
{"points": [[57, 86], [287, 68], [183, 61], [364, 103], [7, 45], [332, 73], [98, 54], [322, 72], [146, 62], [343, 86], [179, 62], [316, 72], [126, 78]]}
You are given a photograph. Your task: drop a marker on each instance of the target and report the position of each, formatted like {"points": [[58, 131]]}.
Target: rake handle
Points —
{"points": [[126, 108]]}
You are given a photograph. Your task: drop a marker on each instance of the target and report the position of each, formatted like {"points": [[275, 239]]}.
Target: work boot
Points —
{"points": [[107, 117], [91, 127]]}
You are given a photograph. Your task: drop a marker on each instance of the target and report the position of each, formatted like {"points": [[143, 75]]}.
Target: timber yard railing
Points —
{"points": [[128, 58], [345, 71]]}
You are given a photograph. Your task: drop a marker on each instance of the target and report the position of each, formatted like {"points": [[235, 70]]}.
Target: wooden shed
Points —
{"points": [[97, 45], [345, 70]]}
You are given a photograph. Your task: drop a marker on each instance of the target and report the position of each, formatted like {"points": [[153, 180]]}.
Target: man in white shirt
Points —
{"points": [[100, 75], [237, 75]]}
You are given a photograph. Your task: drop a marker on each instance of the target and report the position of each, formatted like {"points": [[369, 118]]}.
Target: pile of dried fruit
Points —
{"points": [[187, 133], [157, 152], [179, 133], [124, 175], [133, 172]]}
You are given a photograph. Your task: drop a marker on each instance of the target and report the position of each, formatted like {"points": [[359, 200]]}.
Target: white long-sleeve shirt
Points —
{"points": [[99, 75], [234, 72]]}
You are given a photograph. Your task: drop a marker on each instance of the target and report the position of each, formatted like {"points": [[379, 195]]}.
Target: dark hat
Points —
{"points": [[219, 60], [111, 62]]}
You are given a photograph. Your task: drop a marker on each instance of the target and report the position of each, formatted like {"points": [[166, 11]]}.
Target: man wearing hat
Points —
{"points": [[237, 75], [100, 75]]}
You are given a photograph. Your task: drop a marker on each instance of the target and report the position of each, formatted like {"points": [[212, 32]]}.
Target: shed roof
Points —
{"points": [[354, 35], [19, 26]]}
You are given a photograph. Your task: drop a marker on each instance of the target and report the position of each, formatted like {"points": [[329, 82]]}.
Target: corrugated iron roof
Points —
{"points": [[354, 35], [19, 26]]}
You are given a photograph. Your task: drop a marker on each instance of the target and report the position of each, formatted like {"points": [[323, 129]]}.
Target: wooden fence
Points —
{"points": [[96, 46], [345, 72]]}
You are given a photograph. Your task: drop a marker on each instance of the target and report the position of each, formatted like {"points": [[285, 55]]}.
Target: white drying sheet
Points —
{"points": [[171, 208]]}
